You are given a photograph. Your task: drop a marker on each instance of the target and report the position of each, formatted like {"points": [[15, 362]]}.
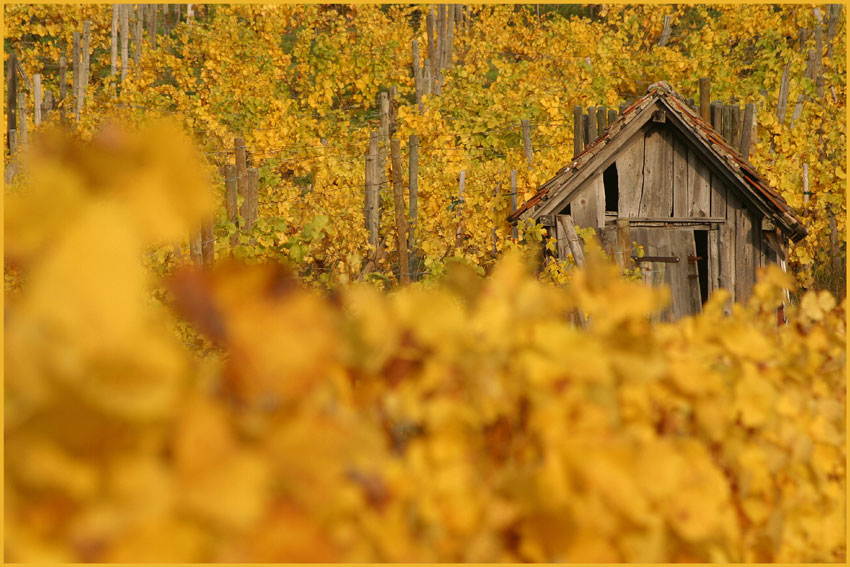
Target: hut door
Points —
{"points": [[670, 259]]}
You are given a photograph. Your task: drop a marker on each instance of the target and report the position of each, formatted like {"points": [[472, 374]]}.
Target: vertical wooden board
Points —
{"points": [[728, 245], [588, 207], [609, 242], [681, 203], [639, 236], [745, 254], [630, 177], [657, 197], [699, 186], [718, 197], [687, 293], [660, 243], [561, 237], [713, 261]]}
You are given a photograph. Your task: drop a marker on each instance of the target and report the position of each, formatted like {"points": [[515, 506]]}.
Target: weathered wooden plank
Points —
{"points": [[744, 254], [705, 99], [578, 137], [718, 197], [727, 239], [687, 288], [699, 187], [657, 199], [681, 202], [588, 207], [608, 238], [624, 243], [565, 226], [630, 178], [713, 261]]}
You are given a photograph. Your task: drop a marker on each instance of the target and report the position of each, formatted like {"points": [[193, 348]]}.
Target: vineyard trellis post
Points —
{"points": [[705, 99], [514, 229], [11, 98], [231, 199], [577, 134], [526, 143], [460, 190], [413, 182], [22, 117], [37, 101], [400, 222]]}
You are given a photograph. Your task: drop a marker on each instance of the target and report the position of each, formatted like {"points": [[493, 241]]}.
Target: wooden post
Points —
{"points": [[450, 36], [784, 86], [578, 139], [601, 120], [526, 142], [592, 132], [811, 64], [154, 10], [125, 39], [400, 221], [819, 86], [461, 184], [612, 117], [11, 98], [249, 205], [798, 109], [413, 182], [735, 125], [747, 130], [432, 50], [47, 105], [75, 72], [63, 88], [806, 193], [818, 41], [113, 61], [576, 247], [585, 130], [717, 116], [373, 202], [417, 75], [36, 92], [241, 174], [384, 141], [624, 243], [665, 32], [442, 33], [705, 99], [496, 190], [514, 231], [195, 250], [207, 243], [835, 251], [726, 130], [392, 110], [231, 198], [834, 12], [22, 117], [84, 68], [137, 34]]}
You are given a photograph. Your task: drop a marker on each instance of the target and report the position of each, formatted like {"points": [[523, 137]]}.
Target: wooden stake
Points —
{"points": [[22, 117], [36, 92], [461, 184], [576, 246], [113, 61], [612, 117], [63, 88], [578, 139], [784, 86], [84, 68], [705, 99], [137, 34], [11, 98], [417, 75], [526, 142], [442, 31], [717, 116], [426, 77], [373, 203], [249, 205], [735, 129], [515, 230], [601, 120], [413, 182], [195, 250], [125, 40], [798, 109], [241, 174], [806, 193], [430, 25], [231, 198], [747, 130], [592, 124], [400, 221], [75, 72], [665, 32], [450, 36], [207, 243], [624, 243]]}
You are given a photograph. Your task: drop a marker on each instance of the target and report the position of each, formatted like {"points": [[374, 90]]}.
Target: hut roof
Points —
{"points": [[747, 179]]}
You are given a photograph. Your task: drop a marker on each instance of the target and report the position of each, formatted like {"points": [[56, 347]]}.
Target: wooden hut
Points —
{"points": [[661, 176]]}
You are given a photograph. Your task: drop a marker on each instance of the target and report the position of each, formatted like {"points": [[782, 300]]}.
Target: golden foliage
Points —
{"points": [[465, 421]]}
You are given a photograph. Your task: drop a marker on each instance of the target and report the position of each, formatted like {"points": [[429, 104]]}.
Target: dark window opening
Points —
{"points": [[701, 241], [610, 180]]}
